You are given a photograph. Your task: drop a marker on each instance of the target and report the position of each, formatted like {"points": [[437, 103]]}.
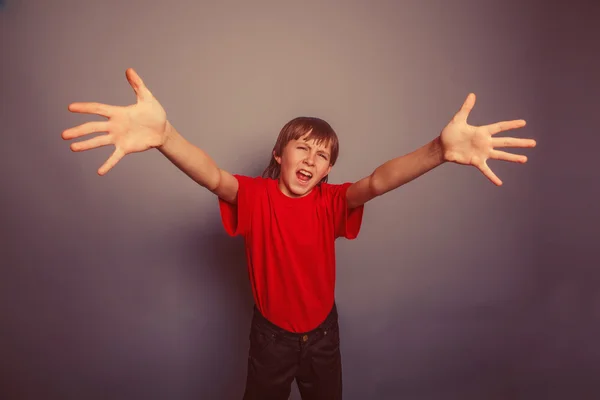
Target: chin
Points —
{"points": [[301, 192], [299, 189]]}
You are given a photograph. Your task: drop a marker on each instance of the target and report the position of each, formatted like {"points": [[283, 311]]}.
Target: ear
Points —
{"points": [[277, 158]]}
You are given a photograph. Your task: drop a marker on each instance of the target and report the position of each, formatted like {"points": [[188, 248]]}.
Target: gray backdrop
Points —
{"points": [[126, 286]]}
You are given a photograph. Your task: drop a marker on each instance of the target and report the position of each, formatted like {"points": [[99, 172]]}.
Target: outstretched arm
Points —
{"points": [[198, 165], [458, 142], [143, 126], [395, 173]]}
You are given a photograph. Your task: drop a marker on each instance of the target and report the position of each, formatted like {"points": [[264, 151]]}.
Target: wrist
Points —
{"points": [[167, 135], [436, 151]]}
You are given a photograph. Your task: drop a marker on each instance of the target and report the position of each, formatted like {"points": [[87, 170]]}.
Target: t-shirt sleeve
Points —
{"points": [[347, 222], [236, 218]]}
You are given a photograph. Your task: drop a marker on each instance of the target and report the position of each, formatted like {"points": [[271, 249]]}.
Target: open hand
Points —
{"points": [[134, 128], [474, 145]]}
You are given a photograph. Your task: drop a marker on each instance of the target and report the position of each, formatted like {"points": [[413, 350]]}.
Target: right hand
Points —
{"points": [[134, 128]]}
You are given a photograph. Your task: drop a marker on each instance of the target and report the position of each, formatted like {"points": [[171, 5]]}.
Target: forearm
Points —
{"points": [[190, 159], [401, 170]]}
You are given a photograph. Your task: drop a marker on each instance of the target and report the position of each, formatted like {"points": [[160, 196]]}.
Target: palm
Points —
{"points": [[134, 128], [138, 127], [474, 145]]}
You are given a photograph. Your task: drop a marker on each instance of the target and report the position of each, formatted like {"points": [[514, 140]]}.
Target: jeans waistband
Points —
{"points": [[327, 324]]}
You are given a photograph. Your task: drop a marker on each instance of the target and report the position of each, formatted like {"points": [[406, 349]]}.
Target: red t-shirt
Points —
{"points": [[290, 247]]}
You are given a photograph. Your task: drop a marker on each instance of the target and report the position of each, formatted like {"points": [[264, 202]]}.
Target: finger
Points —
{"points": [[137, 84], [504, 156], [93, 143], [505, 126], [465, 109], [92, 108], [111, 162], [85, 129], [483, 167], [512, 142]]}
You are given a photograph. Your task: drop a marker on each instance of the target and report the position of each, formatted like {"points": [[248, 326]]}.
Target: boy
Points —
{"points": [[290, 218]]}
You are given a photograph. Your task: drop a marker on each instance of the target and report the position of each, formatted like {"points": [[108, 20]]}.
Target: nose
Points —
{"points": [[309, 160]]}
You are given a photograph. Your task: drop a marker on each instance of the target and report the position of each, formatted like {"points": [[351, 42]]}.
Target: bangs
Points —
{"points": [[317, 130]]}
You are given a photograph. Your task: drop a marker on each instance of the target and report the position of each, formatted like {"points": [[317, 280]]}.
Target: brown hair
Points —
{"points": [[320, 131]]}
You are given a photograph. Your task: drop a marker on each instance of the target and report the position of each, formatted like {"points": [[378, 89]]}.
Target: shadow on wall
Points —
{"points": [[224, 300], [177, 330], [214, 270], [117, 307]]}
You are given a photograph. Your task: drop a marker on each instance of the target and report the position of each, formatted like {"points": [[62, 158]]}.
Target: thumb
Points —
{"points": [[114, 158], [465, 110], [137, 84]]}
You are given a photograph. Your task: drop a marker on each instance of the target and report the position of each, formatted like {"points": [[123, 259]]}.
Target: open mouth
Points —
{"points": [[303, 175]]}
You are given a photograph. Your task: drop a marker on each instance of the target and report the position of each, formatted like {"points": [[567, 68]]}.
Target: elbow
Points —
{"points": [[213, 181], [376, 186]]}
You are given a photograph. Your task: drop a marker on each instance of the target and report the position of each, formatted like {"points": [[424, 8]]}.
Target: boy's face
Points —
{"points": [[303, 165]]}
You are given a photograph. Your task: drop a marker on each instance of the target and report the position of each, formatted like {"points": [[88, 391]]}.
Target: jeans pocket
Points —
{"points": [[260, 340]]}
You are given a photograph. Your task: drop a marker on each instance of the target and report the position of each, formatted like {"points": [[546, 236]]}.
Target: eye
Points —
{"points": [[302, 147], [323, 156]]}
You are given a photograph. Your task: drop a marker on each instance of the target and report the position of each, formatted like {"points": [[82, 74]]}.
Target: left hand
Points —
{"points": [[474, 145]]}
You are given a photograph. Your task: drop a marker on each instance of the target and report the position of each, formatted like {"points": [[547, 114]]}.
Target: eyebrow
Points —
{"points": [[320, 151]]}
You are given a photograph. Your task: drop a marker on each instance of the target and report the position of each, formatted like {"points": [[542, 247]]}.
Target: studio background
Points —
{"points": [[127, 287]]}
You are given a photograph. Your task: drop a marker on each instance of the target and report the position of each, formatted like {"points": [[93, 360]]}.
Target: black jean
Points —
{"points": [[277, 357]]}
